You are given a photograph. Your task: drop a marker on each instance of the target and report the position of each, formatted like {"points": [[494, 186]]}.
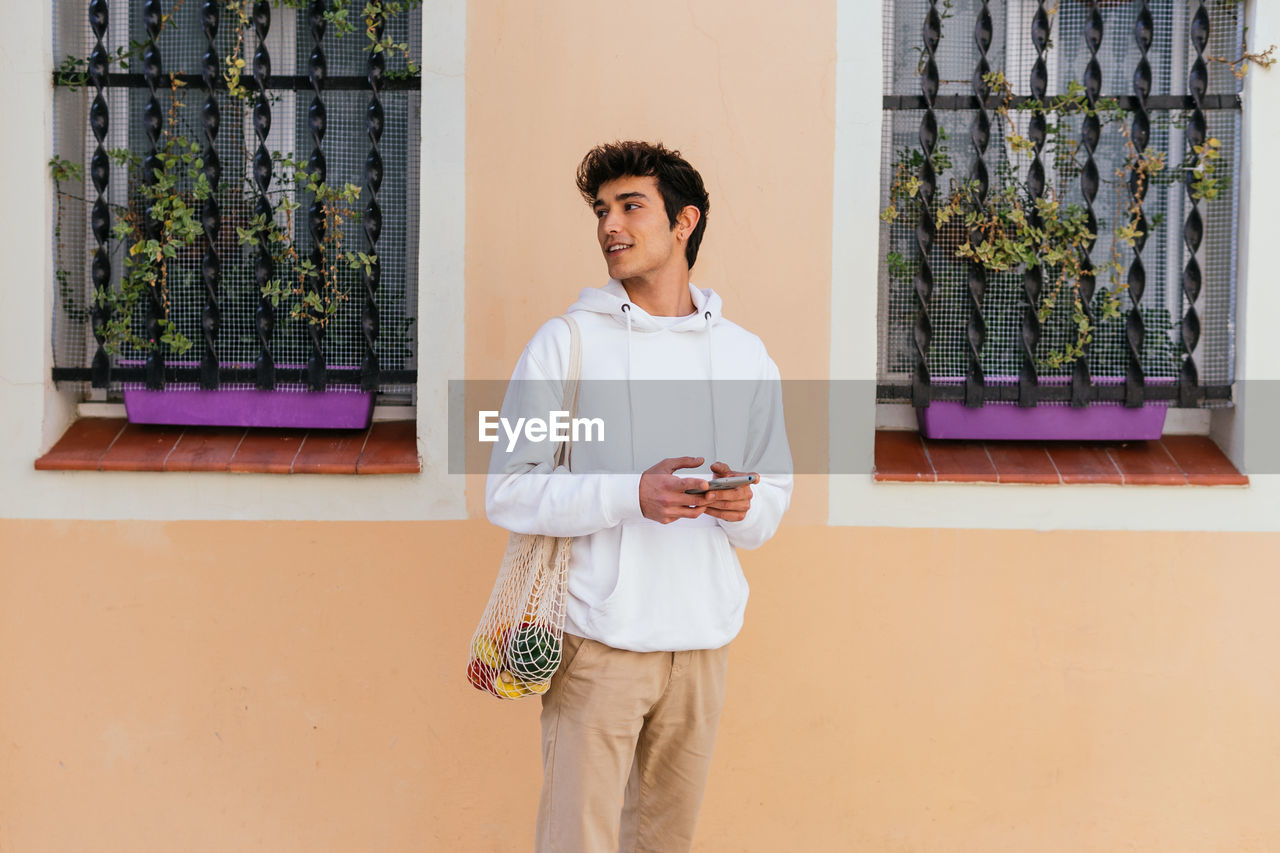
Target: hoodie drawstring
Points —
{"points": [[711, 389], [631, 414]]}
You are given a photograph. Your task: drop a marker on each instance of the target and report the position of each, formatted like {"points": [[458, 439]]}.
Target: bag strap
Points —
{"points": [[564, 452]]}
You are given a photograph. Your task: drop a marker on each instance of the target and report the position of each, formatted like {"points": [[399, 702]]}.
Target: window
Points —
{"points": [[279, 148], [1059, 185]]}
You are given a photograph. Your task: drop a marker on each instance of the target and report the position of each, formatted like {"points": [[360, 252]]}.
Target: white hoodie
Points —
{"points": [[634, 583]]}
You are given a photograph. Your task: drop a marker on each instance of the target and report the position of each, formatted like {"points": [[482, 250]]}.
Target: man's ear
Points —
{"points": [[687, 220]]}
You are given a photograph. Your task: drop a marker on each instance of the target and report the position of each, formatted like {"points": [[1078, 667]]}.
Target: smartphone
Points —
{"points": [[722, 483]]}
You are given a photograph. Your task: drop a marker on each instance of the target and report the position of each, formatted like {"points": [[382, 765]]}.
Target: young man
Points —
{"points": [[655, 590]]}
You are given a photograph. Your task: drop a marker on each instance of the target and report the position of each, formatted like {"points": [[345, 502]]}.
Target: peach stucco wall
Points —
{"points": [[547, 81], [746, 97], [279, 687]]}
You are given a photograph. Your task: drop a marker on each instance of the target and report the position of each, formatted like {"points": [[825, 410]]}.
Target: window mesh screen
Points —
{"points": [[1165, 254], [346, 144]]}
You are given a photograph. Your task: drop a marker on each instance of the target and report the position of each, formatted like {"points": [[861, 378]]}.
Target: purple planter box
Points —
{"points": [[287, 406], [250, 407], [1046, 422]]}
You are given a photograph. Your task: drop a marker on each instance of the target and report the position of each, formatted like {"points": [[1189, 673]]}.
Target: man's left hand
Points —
{"points": [[730, 504]]}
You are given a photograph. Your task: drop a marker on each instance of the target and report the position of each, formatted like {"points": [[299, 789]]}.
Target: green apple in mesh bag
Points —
{"points": [[534, 653]]}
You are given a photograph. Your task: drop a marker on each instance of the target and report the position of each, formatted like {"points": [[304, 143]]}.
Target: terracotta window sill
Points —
{"points": [[1175, 460], [113, 444]]}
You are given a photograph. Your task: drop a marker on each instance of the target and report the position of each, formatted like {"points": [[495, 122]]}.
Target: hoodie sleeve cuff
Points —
{"points": [[621, 498]]}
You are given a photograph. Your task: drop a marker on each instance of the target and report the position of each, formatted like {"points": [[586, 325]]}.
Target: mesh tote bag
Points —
{"points": [[516, 647]]}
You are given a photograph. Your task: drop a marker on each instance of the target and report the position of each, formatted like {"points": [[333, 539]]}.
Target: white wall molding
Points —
{"points": [[855, 232]]}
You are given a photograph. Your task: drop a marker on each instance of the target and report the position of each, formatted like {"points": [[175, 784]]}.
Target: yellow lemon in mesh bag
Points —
{"points": [[508, 686], [485, 649]]}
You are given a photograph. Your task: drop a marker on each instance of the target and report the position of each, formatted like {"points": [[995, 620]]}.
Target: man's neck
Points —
{"points": [[664, 297]]}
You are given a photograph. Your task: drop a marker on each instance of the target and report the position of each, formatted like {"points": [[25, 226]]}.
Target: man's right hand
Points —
{"points": [[662, 496]]}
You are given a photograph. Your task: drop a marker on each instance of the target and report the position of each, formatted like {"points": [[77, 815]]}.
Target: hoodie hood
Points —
{"points": [[611, 298]]}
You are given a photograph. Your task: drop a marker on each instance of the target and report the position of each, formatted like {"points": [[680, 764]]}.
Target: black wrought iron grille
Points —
{"points": [[950, 329], [324, 101]]}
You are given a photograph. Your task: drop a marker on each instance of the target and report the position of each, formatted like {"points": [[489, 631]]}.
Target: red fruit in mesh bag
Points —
{"points": [[481, 676]]}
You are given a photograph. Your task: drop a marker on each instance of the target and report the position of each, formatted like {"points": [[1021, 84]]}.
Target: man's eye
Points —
{"points": [[632, 205], [599, 213]]}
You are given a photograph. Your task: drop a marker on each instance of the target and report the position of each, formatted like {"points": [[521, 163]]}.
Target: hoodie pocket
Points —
{"points": [[624, 570], [679, 586]]}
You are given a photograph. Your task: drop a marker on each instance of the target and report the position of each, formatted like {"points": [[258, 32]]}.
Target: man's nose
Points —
{"points": [[609, 223]]}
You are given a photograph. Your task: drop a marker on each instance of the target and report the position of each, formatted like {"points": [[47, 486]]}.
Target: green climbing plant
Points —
{"points": [[1009, 229]]}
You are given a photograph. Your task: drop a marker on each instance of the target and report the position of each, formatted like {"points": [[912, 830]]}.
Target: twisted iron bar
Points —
{"points": [[925, 228], [318, 170], [264, 265], [210, 210], [1033, 275], [1193, 230], [152, 123], [980, 136], [1139, 134], [1090, 129], [372, 271], [100, 217]]}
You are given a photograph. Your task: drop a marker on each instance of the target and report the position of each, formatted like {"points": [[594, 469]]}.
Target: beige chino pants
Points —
{"points": [[627, 739]]}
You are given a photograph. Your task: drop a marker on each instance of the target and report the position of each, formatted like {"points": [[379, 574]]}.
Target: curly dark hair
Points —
{"points": [[678, 182]]}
